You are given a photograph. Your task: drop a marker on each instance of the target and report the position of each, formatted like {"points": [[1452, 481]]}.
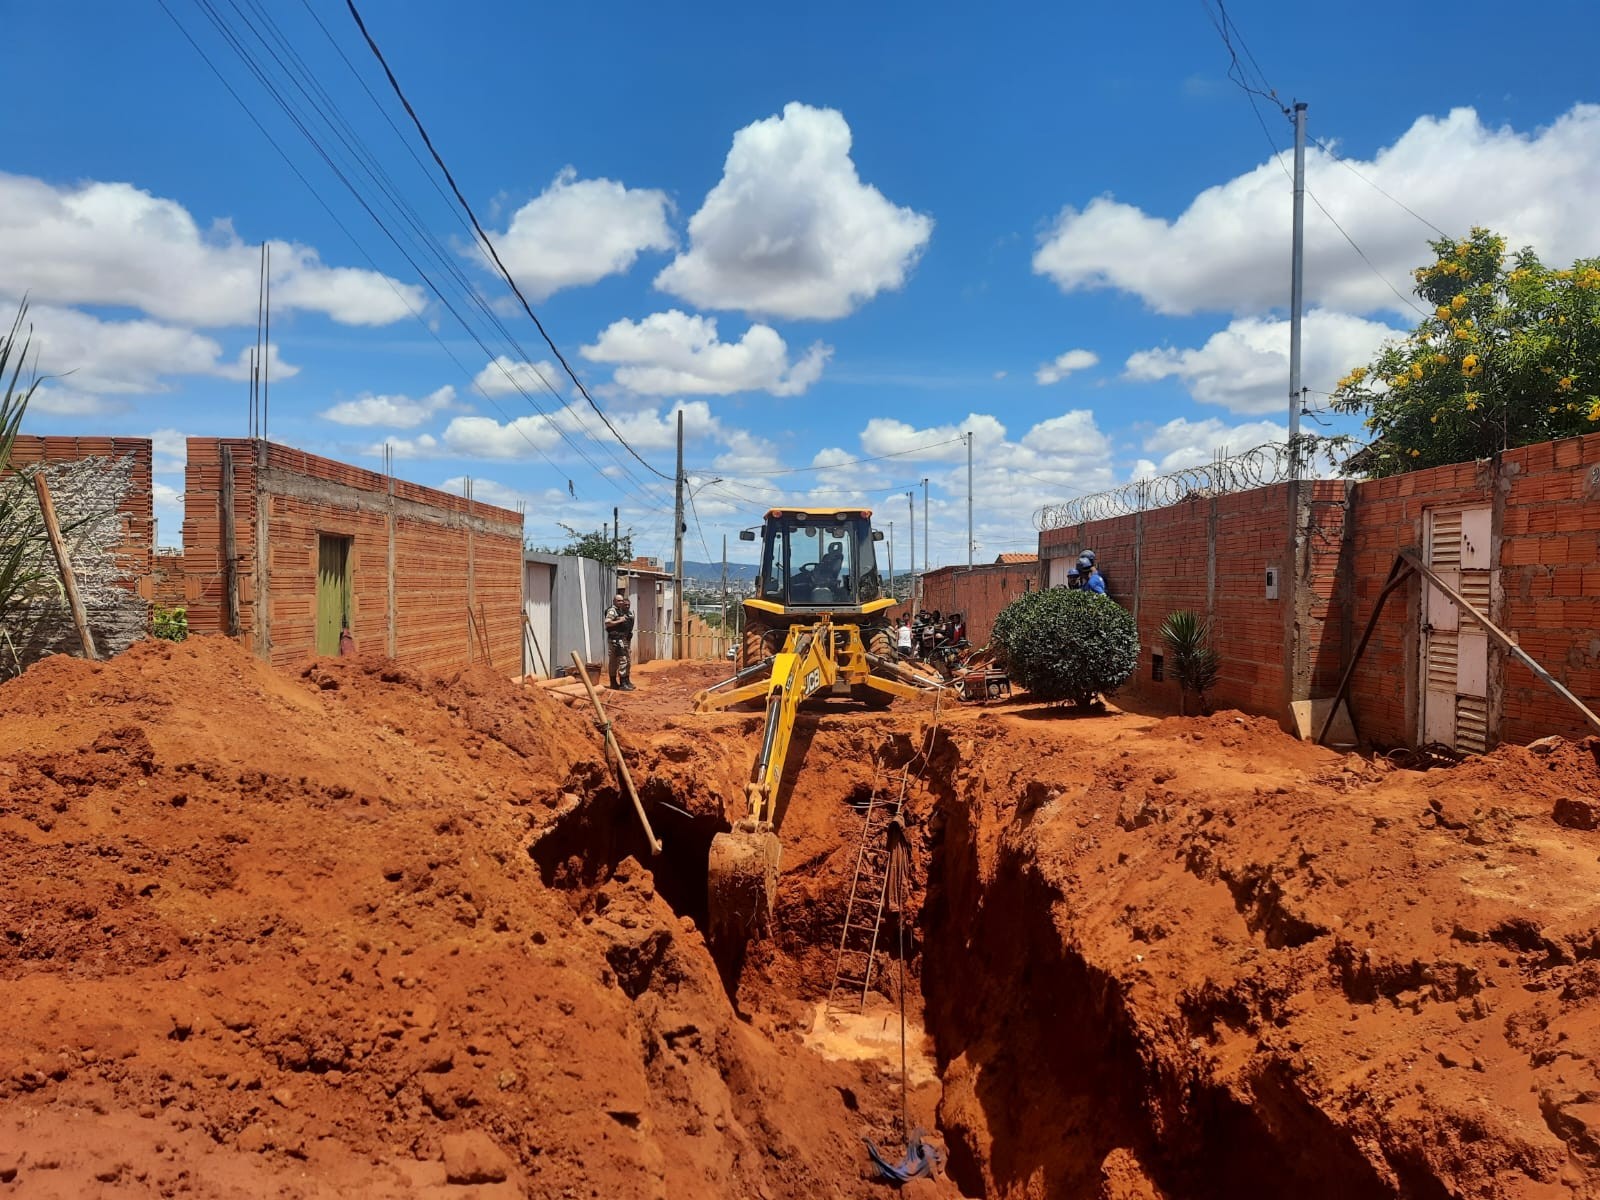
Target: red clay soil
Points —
{"points": [[1196, 958], [334, 932], [349, 931]]}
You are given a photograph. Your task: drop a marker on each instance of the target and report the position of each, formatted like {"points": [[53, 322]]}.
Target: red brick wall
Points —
{"points": [[979, 594], [1550, 582], [1251, 532], [1547, 585], [447, 550]]}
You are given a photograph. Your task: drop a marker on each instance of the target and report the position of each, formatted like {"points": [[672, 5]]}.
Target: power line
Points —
{"points": [[1223, 23], [1331, 153], [487, 244], [420, 237]]}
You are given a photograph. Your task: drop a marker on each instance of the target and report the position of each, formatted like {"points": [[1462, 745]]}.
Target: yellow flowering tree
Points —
{"points": [[1510, 354]]}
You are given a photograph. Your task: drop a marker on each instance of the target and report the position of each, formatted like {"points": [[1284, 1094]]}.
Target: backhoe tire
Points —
{"points": [[753, 649], [881, 643]]}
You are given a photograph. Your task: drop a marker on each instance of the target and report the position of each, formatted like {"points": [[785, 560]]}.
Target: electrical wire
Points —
{"points": [[489, 245], [420, 238], [1338, 158], [232, 40], [1223, 24]]}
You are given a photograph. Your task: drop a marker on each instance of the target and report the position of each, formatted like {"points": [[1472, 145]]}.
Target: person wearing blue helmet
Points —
{"points": [[1089, 578]]}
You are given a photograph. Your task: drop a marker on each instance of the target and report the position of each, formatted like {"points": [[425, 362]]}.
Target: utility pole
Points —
{"points": [[677, 551], [925, 540], [1297, 287], [969, 502], [616, 535], [911, 507], [724, 622], [891, 561]]}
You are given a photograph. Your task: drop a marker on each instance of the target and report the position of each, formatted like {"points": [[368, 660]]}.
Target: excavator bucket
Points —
{"points": [[742, 883]]}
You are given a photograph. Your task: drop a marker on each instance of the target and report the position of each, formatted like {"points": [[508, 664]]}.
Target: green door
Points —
{"points": [[333, 591]]}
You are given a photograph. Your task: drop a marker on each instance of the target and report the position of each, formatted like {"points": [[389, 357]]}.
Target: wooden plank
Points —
{"points": [[604, 724], [69, 581]]}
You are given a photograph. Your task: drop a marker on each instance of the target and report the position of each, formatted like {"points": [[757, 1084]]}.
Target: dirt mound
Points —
{"points": [[282, 933]]}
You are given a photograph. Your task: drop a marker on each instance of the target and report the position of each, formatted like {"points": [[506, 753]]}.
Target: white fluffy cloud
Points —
{"points": [[504, 375], [114, 244], [88, 362], [1063, 365], [1245, 367], [1185, 443], [1228, 251], [578, 231], [400, 412], [791, 230], [674, 354], [529, 436]]}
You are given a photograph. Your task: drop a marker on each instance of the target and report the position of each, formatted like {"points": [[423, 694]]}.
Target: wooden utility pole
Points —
{"points": [[69, 581]]}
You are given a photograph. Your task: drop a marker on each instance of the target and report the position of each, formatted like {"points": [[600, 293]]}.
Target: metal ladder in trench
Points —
{"points": [[863, 914]]}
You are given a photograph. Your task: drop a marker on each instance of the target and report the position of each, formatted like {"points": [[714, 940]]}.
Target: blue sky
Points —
{"points": [[828, 234]]}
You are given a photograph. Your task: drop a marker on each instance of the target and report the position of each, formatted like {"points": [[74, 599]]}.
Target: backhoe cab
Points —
{"points": [[816, 626]]}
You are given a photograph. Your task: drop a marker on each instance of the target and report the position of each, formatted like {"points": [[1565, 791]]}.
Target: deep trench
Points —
{"points": [[1063, 1076]]}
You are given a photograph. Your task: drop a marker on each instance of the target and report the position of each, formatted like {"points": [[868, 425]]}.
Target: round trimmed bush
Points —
{"points": [[1064, 644]]}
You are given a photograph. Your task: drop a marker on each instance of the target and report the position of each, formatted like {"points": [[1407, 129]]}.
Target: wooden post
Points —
{"points": [[603, 723], [69, 581], [230, 544]]}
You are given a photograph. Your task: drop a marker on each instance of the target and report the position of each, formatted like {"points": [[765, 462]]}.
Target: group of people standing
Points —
{"points": [[927, 631]]}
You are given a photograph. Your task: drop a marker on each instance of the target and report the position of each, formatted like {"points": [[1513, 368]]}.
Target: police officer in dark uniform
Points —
{"points": [[619, 640]]}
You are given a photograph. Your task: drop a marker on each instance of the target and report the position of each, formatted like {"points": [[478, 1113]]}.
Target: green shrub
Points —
{"points": [[1194, 663], [1064, 644], [170, 623]]}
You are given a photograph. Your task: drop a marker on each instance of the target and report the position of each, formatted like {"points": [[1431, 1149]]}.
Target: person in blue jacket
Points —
{"points": [[1089, 578]]}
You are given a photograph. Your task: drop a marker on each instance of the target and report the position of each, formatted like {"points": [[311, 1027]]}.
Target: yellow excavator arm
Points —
{"points": [[798, 673]]}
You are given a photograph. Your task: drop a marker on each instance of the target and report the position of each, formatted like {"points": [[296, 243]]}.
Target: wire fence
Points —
{"points": [[1267, 464]]}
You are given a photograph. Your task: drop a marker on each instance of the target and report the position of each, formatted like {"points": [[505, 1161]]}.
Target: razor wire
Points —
{"points": [[1258, 467]]}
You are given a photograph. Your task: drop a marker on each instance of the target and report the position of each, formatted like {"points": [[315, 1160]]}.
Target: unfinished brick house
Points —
{"points": [[1288, 575], [287, 550]]}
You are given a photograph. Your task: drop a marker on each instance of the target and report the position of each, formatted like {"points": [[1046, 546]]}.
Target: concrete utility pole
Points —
{"points": [[911, 507], [724, 623], [891, 560], [677, 551], [969, 501], [616, 533], [925, 540], [1297, 287]]}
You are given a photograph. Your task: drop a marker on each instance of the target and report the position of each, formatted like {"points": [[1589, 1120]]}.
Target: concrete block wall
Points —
{"points": [[101, 490], [420, 558]]}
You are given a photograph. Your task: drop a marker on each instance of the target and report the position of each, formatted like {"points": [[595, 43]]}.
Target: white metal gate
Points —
{"points": [[1455, 648], [1058, 571], [537, 583]]}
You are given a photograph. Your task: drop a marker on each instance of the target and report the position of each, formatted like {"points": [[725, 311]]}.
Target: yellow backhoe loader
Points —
{"points": [[815, 627]]}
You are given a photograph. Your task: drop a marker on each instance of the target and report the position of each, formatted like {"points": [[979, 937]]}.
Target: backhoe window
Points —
{"points": [[820, 561]]}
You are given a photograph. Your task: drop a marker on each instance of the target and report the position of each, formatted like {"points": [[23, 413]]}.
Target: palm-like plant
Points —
{"points": [[21, 527], [1195, 664]]}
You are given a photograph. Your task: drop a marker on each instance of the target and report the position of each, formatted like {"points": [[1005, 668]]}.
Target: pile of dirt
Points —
{"points": [[1254, 967], [291, 934]]}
